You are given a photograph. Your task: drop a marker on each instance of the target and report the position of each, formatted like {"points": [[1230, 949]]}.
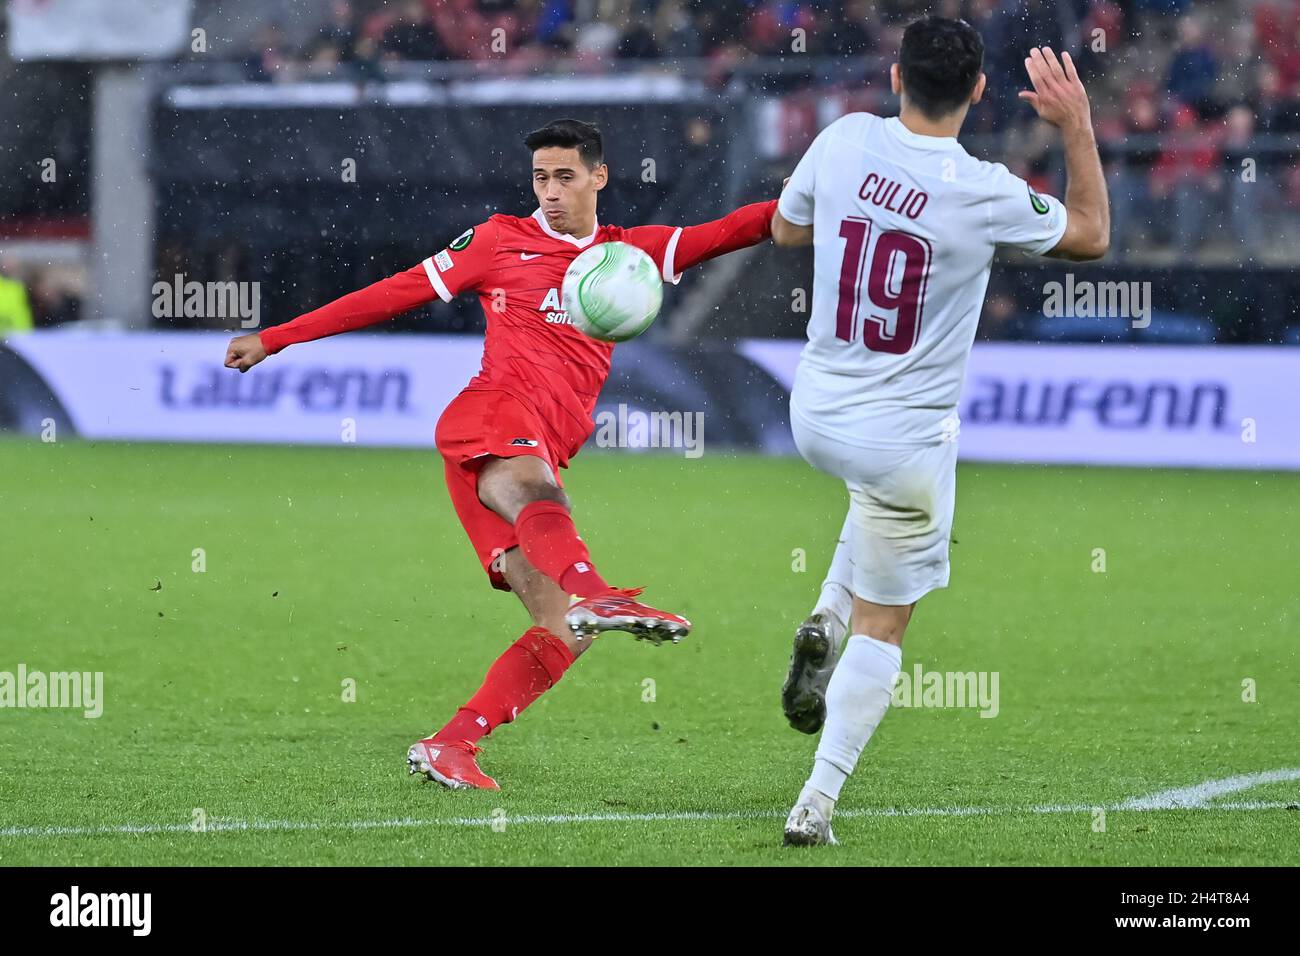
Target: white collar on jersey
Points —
{"points": [[546, 228], [896, 126]]}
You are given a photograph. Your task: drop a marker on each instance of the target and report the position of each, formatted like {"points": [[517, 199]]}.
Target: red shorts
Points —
{"points": [[477, 424]]}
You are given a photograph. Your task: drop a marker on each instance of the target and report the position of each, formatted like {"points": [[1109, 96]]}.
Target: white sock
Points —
{"points": [[811, 796], [837, 590], [856, 700]]}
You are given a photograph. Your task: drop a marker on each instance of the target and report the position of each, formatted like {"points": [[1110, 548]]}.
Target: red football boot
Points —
{"points": [[616, 611], [450, 764]]}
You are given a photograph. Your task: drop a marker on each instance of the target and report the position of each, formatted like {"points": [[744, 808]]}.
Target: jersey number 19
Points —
{"points": [[897, 265]]}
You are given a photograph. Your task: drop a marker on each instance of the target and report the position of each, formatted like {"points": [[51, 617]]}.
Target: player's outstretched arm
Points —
{"points": [[677, 248], [375, 303], [746, 226], [1060, 99], [786, 233]]}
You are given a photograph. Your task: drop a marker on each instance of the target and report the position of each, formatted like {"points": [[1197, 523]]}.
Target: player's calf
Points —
{"points": [[524, 492]]}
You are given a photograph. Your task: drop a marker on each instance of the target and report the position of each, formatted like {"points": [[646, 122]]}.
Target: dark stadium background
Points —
{"points": [[242, 192]]}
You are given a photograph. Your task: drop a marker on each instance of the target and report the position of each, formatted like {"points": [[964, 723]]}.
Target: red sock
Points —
{"points": [[551, 544], [528, 668]]}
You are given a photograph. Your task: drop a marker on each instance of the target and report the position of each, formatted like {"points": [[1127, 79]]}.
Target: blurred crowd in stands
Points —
{"points": [[1196, 104], [1186, 94], [357, 31]]}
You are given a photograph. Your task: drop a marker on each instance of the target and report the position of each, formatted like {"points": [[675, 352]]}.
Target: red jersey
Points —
{"points": [[516, 265]]}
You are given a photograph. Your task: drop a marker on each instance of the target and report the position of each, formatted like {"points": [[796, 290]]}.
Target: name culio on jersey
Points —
{"points": [[884, 192]]}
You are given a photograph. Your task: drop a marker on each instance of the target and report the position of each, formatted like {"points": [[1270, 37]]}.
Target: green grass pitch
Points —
{"points": [[223, 689]]}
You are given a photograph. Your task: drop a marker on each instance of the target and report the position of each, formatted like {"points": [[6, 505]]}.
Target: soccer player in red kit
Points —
{"points": [[505, 437]]}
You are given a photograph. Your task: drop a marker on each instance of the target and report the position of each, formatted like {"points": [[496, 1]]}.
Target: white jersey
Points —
{"points": [[904, 231]]}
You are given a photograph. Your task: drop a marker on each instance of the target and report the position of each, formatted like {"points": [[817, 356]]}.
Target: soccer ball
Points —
{"points": [[612, 292]]}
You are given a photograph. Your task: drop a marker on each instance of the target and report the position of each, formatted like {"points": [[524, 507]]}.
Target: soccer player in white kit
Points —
{"points": [[904, 224]]}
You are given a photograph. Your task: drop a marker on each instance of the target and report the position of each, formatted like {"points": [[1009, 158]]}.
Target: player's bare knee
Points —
{"points": [[543, 491], [883, 622], [507, 486], [520, 494]]}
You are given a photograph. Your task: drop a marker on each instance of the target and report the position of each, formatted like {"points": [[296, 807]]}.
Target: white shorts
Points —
{"points": [[900, 512]]}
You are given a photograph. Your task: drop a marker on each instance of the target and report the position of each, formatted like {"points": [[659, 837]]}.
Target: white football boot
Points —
{"points": [[809, 823], [817, 646]]}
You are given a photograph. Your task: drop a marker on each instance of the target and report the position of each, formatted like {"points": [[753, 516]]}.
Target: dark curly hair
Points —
{"points": [[940, 61]]}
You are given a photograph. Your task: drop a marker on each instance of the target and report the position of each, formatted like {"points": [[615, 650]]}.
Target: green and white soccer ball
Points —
{"points": [[612, 292]]}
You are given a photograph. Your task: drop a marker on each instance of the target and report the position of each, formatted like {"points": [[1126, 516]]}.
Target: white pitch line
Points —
{"points": [[290, 826], [1201, 794]]}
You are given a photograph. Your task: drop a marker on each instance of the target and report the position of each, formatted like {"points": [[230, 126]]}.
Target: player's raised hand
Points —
{"points": [[244, 351], [1058, 95]]}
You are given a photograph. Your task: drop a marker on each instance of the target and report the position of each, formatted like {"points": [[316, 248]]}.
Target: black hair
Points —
{"points": [[570, 134], [940, 61]]}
